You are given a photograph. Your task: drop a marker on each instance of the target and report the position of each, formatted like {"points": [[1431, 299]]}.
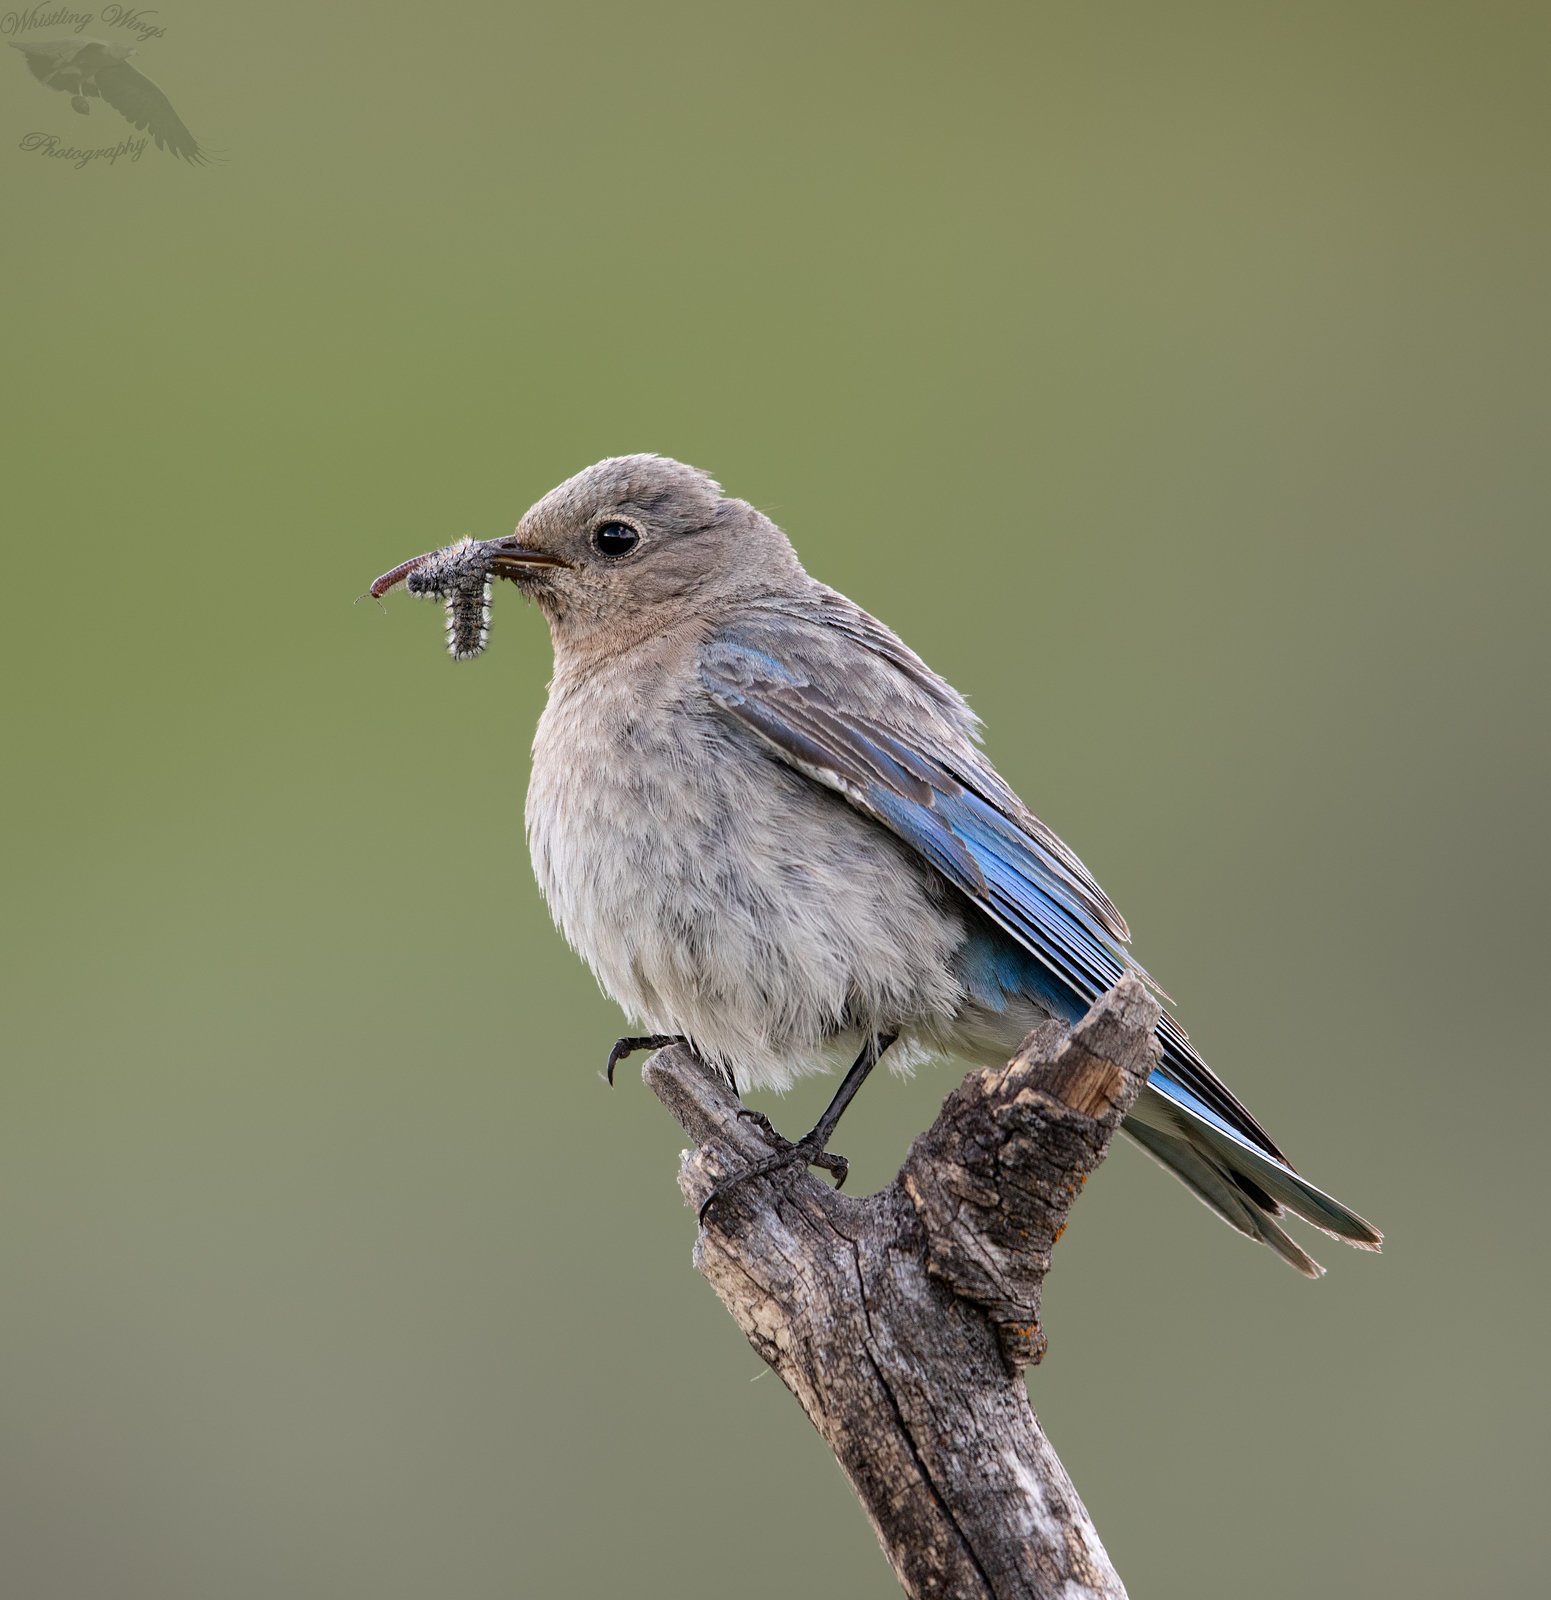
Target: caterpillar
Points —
{"points": [[458, 576]]}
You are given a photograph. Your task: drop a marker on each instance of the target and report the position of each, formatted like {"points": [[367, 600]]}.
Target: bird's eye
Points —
{"points": [[615, 539]]}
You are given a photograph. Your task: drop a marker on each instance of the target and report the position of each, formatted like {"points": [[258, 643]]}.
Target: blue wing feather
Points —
{"points": [[1064, 939], [990, 856]]}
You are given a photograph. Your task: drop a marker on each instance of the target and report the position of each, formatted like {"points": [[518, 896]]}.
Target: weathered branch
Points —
{"points": [[901, 1322]]}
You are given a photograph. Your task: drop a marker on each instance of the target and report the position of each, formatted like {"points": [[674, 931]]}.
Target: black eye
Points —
{"points": [[615, 539]]}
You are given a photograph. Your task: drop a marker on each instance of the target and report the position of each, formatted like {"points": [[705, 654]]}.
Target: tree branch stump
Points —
{"points": [[901, 1322]]}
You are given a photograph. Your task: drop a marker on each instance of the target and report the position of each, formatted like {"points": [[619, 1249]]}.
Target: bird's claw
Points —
{"points": [[835, 1165], [765, 1126], [805, 1152], [808, 1146], [641, 1041]]}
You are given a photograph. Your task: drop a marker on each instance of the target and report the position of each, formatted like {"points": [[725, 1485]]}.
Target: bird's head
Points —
{"points": [[636, 544]]}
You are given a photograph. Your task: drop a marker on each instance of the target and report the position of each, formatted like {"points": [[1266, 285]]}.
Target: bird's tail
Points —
{"points": [[1248, 1185]]}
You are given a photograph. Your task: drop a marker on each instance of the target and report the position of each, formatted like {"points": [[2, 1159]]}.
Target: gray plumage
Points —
{"points": [[714, 891], [767, 825]]}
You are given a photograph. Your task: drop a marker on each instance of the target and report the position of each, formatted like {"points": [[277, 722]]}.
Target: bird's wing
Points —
{"points": [[143, 105], [834, 612], [871, 734]]}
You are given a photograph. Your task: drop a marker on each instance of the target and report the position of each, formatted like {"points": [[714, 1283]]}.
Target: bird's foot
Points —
{"points": [[641, 1041], [807, 1151], [765, 1126]]}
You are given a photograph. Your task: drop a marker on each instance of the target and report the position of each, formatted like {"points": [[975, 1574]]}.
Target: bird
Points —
{"points": [[772, 832], [89, 69]]}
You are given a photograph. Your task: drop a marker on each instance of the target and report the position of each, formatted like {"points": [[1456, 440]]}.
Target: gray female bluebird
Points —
{"points": [[769, 829]]}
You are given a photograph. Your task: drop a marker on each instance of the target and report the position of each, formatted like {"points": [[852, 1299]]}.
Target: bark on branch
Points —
{"points": [[901, 1322]]}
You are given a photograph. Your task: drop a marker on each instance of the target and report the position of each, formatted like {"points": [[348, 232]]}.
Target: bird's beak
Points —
{"points": [[509, 558]]}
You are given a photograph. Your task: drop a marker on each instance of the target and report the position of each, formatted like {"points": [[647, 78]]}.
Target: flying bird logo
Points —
{"points": [[88, 69]]}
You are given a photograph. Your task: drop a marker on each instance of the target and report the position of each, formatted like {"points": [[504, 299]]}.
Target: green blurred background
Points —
{"points": [[1173, 377]]}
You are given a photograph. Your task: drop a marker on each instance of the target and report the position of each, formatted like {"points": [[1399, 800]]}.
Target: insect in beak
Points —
{"points": [[505, 557], [459, 576]]}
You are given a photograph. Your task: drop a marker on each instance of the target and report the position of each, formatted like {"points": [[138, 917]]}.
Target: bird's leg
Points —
{"points": [[640, 1041], [810, 1149]]}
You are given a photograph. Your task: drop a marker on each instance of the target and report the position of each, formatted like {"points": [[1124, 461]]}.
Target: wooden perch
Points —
{"points": [[901, 1322]]}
